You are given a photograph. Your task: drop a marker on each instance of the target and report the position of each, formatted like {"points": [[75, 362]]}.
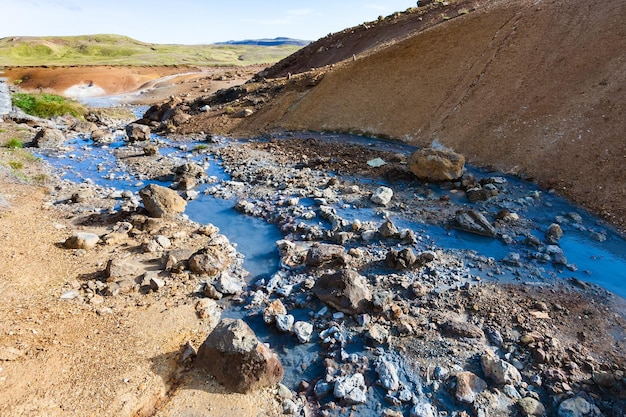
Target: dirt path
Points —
{"points": [[107, 357]]}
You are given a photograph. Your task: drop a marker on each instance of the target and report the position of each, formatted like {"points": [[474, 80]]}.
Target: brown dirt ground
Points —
{"points": [[60, 358]]}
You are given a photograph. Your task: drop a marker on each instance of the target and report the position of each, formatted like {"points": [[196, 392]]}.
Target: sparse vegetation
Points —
{"points": [[16, 165], [122, 50], [14, 143], [200, 147], [47, 105]]}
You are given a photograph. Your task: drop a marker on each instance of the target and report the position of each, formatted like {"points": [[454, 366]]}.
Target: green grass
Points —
{"points": [[14, 143], [47, 105], [16, 165], [122, 50]]}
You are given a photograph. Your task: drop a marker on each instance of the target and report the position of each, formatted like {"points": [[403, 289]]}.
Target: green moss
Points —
{"points": [[47, 105], [14, 143]]}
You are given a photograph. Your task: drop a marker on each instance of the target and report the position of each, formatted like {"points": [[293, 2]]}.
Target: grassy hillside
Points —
{"points": [[122, 50]]}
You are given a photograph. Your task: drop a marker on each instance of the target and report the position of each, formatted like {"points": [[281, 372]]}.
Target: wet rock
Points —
{"points": [[323, 253], [431, 164], [387, 374], [578, 407], [210, 261], [322, 388], [474, 222], [513, 259], [500, 371], [468, 386], [378, 334], [49, 138], [151, 150], [101, 137], [233, 354], [554, 234], [137, 132], [82, 195], [228, 284], [388, 229], [481, 193], [423, 410], [272, 310], [284, 322], [303, 331], [345, 290], [604, 379], [351, 389], [382, 196], [530, 407], [162, 202], [400, 259], [82, 240], [454, 328]]}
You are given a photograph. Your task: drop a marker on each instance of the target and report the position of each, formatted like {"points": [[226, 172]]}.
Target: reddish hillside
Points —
{"points": [[532, 87]]}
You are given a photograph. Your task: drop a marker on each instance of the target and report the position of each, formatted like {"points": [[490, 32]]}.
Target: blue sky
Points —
{"points": [[190, 21]]}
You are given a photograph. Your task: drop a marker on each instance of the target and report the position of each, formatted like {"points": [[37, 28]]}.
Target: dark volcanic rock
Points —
{"points": [[474, 222], [344, 290], [233, 354]]}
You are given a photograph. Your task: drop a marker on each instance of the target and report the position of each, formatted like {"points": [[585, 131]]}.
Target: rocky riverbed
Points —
{"points": [[379, 292]]}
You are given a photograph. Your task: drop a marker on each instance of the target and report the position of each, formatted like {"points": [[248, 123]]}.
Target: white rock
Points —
{"points": [[351, 389], [284, 322], [303, 331], [382, 196]]}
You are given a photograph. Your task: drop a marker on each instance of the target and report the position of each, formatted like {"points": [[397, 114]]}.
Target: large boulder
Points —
{"points": [[345, 290], [138, 132], [431, 164], [233, 354], [49, 138], [82, 240], [162, 202]]}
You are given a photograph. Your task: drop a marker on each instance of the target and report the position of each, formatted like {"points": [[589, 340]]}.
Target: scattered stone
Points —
{"points": [[387, 374], [156, 284], [376, 162], [431, 164], [49, 138], [388, 230], [454, 328], [468, 386], [228, 284], [323, 253], [210, 261], [474, 222], [162, 202], [554, 234], [284, 322], [233, 354], [120, 268], [423, 410], [137, 132], [382, 196], [322, 388], [500, 371], [208, 310], [400, 259], [578, 407], [82, 240], [351, 389], [530, 407], [303, 331], [151, 150], [345, 290], [378, 334], [272, 310]]}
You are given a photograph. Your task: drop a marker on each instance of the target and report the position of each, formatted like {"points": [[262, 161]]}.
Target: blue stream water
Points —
{"points": [[602, 263]]}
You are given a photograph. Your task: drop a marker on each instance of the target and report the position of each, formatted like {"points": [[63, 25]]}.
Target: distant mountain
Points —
{"points": [[267, 42]]}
